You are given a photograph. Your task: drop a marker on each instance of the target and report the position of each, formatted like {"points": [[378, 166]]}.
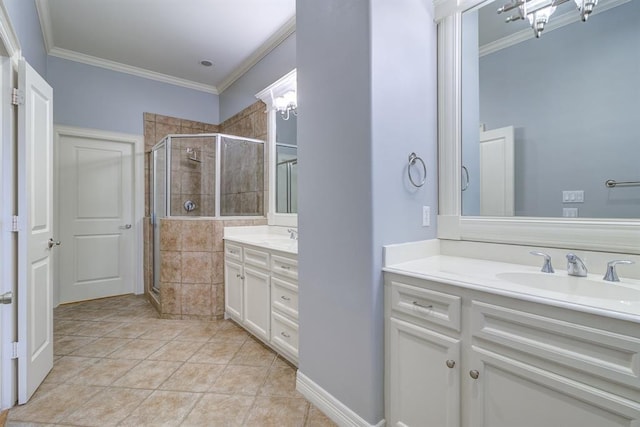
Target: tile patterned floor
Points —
{"points": [[117, 364]]}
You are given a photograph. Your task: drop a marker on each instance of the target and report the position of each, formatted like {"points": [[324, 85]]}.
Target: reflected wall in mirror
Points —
{"points": [[569, 101], [286, 164]]}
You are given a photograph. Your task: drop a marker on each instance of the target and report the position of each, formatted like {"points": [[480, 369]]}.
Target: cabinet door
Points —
{"points": [[257, 302], [233, 290], [423, 389], [507, 393]]}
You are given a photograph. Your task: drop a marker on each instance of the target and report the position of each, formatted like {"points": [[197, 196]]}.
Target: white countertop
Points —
{"points": [[268, 237], [493, 277]]}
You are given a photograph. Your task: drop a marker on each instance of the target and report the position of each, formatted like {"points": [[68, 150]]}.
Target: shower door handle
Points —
{"points": [[125, 227]]}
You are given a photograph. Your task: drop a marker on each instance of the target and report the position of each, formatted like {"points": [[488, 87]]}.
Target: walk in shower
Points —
{"points": [[205, 175]]}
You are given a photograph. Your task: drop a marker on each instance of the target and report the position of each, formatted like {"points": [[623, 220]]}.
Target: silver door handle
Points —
{"points": [[51, 243], [6, 298], [125, 227]]}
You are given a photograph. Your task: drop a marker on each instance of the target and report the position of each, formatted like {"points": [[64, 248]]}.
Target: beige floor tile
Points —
{"points": [[253, 353], [148, 374], [137, 349], [166, 408], [216, 351], [165, 333], [281, 382], [66, 344], [203, 331], [104, 372], [129, 330], [240, 380], [230, 331], [277, 412], [315, 418], [177, 351], [219, 410], [67, 327], [108, 407], [54, 405], [68, 367], [193, 377], [101, 347], [95, 329]]}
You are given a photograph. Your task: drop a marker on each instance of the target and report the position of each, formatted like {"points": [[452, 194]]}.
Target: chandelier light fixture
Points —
{"points": [[538, 12], [286, 104]]}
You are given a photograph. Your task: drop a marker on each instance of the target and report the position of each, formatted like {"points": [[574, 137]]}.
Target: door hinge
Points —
{"points": [[17, 96], [14, 224], [14, 353]]}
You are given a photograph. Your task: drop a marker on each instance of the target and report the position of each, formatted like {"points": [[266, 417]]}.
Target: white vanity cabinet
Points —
{"points": [[284, 305], [461, 357], [261, 294]]}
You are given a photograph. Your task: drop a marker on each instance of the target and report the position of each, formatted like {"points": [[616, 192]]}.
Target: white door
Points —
{"points": [[497, 172], [95, 203], [35, 212]]}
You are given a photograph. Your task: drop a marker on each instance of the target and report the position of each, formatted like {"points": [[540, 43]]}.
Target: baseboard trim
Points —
{"points": [[332, 407]]}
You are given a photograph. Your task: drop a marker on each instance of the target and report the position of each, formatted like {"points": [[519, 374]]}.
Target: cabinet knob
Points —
{"points": [[474, 374], [451, 363]]}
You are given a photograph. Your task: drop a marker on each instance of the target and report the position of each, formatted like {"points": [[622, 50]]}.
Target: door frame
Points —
{"points": [[137, 142], [11, 54]]}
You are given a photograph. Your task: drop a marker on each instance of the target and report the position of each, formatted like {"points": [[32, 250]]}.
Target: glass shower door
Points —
{"points": [[158, 204]]}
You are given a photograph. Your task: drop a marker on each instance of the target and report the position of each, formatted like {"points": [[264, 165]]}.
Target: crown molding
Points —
{"points": [[44, 15], [128, 69], [554, 24], [281, 35]]}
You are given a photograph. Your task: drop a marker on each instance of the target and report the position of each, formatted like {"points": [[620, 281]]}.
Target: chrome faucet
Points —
{"points": [[293, 233], [546, 267], [575, 266], [611, 275]]}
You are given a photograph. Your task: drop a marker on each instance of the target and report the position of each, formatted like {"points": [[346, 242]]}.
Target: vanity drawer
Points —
{"points": [[284, 297], [284, 334], [574, 345], [232, 251], [287, 267], [418, 304], [256, 258]]}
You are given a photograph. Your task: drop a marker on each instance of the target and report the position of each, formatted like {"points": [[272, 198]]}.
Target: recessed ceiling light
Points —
{"points": [[206, 63]]}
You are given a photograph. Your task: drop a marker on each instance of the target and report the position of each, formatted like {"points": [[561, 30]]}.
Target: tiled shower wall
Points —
{"points": [[247, 192], [190, 247], [192, 267]]}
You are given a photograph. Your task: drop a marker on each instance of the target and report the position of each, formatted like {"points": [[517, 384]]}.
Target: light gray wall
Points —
{"points": [[242, 92], [93, 97], [24, 18], [367, 98], [573, 97]]}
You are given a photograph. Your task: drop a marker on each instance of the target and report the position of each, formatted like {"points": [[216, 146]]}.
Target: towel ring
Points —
{"points": [[412, 161]]}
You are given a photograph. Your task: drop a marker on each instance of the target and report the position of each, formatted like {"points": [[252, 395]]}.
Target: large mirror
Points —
{"points": [[286, 164], [547, 121]]}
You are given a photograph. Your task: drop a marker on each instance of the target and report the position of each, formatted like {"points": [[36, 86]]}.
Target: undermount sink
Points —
{"points": [[579, 286]]}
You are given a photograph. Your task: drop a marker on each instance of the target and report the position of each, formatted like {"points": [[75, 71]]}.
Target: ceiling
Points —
{"points": [[166, 39]]}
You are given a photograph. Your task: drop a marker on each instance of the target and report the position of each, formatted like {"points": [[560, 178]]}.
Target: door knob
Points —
{"points": [[125, 227], [6, 298], [51, 243]]}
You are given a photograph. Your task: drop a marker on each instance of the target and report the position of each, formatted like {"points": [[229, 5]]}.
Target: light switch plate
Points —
{"points": [[426, 216], [570, 212], [576, 196]]}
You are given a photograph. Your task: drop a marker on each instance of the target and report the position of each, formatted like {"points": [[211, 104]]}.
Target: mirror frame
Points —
{"points": [[606, 235], [268, 95]]}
